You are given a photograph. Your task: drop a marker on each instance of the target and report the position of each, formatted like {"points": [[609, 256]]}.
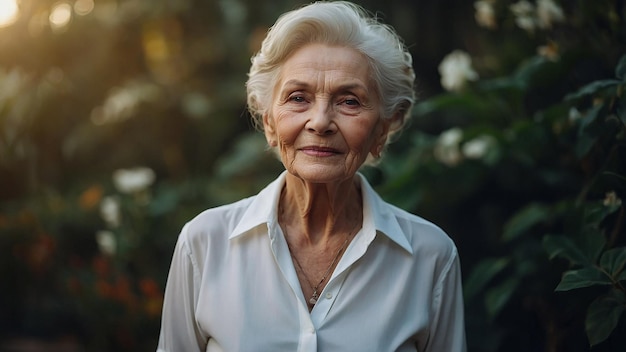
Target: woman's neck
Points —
{"points": [[317, 212]]}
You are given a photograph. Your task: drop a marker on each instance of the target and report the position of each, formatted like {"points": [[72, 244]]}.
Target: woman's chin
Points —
{"points": [[322, 173]]}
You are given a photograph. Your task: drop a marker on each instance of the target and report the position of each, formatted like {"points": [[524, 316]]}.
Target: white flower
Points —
{"points": [[133, 180], [485, 15], [611, 199], [478, 147], [574, 115], [524, 15], [447, 147], [456, 69], [106, 242], [110, 211], [548, 13]]}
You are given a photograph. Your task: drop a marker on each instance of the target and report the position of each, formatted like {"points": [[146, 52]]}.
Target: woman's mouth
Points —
{"points": [[319, 151]]}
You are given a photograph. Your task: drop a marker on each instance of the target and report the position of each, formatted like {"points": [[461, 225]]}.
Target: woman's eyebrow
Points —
{"points": [[352, 86], [294, 83], [349, 86]]}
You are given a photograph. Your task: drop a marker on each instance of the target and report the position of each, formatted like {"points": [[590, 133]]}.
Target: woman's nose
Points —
{"points": [[321, 120]]}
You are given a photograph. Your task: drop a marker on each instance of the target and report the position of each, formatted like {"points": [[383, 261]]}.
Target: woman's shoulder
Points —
{"points": [[226, 221], [421, 232], [217, 221]]}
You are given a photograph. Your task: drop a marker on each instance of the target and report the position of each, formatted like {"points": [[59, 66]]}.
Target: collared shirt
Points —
{"points": [[232, 285]]}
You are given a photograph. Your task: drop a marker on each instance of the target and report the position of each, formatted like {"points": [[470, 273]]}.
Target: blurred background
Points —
{"points": [[122, 119]]}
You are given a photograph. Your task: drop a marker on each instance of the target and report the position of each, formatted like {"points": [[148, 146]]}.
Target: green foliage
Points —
{"points": [[537, 212], [603, 315], [596, 266], [524, 220]]}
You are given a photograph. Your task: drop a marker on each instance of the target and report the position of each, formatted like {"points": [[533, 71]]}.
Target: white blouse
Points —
{"points": [[232, 285]]}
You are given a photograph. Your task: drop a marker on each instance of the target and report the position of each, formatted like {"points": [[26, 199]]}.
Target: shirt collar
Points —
{"points": [[377, 215], [263, 209]]}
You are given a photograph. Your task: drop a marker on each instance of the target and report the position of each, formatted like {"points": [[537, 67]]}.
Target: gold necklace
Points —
{"points": [[315, 296]]}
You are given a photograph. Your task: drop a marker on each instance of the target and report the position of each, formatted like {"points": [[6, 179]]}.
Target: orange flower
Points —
{"points": [[153, 306], [149, 288], [90, 197], [123, 292]]}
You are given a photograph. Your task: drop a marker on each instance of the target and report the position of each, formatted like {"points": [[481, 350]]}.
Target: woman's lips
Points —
{"points": [[319, 151]]}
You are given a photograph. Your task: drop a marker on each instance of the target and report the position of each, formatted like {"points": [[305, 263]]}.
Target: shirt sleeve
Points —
{"points": [[179, 327], [448, 328]]}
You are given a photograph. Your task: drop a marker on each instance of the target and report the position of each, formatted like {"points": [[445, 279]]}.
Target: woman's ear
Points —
{"points": [[395, 122], [380, 138], [386, 125], [269, 130]]}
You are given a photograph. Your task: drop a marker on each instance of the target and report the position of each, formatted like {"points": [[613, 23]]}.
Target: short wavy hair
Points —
{"points": [[337, 23]]}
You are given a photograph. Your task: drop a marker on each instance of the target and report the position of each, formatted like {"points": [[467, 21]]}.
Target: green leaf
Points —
{"points": [[596, 212], [603, 315], [524, 220], [585, 277], [482, 274], [620, 70], [590, 120], [592, 88], [536, 71], [497, 297], [613, 261], [561, 246], [592, 241]]}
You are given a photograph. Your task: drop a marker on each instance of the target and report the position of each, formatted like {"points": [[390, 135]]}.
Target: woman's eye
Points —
{"points": [[351, 102], [297, 99]]}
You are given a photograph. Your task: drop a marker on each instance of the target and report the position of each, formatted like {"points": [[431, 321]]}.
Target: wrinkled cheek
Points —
{"points": [[354, 161], [287, 153], [361, 154]]}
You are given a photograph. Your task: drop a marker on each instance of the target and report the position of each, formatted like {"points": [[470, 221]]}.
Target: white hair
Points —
{"points": [[337, 23]]}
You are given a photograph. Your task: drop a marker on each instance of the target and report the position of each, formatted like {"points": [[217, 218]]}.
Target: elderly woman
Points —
{"points": [[317, 261]]}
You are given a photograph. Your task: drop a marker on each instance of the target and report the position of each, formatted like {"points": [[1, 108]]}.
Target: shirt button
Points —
{"points": [[329, 295]]}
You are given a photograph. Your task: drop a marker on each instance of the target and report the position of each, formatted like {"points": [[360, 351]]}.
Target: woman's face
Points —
{"points": [[325, 114]]}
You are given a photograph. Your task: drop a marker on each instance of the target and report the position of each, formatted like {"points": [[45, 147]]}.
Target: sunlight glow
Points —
{"points": [[60, 15], [83, 7], [9, 12]]}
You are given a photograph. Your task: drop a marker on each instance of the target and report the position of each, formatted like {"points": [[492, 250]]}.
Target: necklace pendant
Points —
{"points": [[314, 298]]}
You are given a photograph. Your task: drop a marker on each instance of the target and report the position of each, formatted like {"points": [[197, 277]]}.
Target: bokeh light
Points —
{"points": [[60, 15], [83, 7], [9, 12]]}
